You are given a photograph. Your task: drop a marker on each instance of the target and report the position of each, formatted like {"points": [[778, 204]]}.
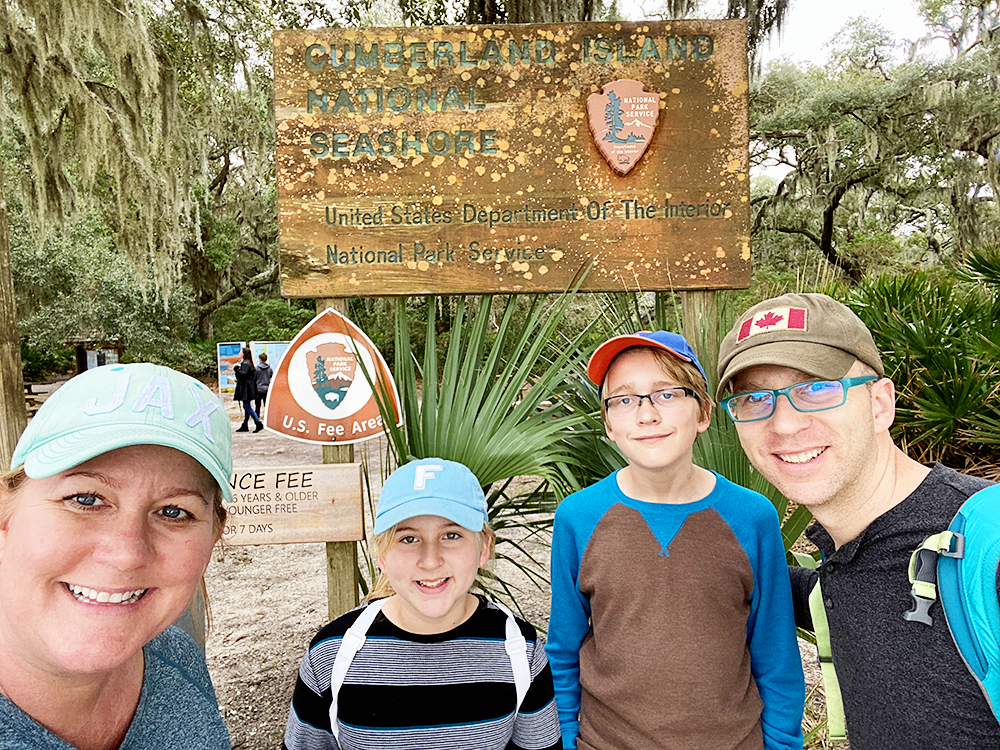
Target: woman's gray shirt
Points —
{"points": [[177, 710]]}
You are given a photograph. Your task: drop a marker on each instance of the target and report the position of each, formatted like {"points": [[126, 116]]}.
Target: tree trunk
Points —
{"points": [[13, 416], [529, 11]]}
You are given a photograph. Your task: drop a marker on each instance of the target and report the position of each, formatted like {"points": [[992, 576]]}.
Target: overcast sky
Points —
{"points": [[810, 24]]}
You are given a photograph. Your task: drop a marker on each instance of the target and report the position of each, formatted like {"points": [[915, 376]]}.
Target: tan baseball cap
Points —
{"points": [[813, 333]]}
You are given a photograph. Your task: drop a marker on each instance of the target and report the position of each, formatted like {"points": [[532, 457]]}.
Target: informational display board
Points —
{"points": [[282, 505], [228, 355], [101, 357], [512, 158], [274, 350]]}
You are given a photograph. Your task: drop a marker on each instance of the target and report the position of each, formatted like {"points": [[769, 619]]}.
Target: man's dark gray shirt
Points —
{"points": [[904, 684]]}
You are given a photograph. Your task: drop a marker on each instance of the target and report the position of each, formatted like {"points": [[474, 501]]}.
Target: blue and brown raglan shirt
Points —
{"points": [[672, 625]]}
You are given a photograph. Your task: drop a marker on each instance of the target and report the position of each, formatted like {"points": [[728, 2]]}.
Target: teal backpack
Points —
{"points": [[961, 566]]}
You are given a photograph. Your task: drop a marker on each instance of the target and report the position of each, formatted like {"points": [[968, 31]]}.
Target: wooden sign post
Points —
{"points": [[341, 557]]}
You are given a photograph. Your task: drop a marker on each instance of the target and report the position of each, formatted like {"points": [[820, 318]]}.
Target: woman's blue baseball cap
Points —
{"points": [[432, 487], [673, 343], [116, 406]]}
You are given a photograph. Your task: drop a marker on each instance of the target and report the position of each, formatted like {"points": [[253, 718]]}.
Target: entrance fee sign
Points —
{"points": [[282, 505], [513, 158]]}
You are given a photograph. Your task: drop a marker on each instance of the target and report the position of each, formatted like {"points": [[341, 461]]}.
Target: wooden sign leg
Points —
{"points": [[341, 557], [700, 320]]}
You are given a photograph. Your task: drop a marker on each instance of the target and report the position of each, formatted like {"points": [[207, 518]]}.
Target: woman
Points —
{"points": [[246, 390], [107, 522]]}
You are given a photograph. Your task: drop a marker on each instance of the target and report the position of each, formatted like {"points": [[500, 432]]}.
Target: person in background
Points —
{"points": [[813, 409], [263, 380], [246, 390], [671, 623], [108, 517], [425, 663]]}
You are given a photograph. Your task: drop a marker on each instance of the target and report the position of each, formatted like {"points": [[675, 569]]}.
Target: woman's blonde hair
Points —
{"points": [[381, 543], [10, 483]]}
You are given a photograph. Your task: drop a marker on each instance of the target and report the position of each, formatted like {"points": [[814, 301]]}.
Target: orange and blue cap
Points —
{"points": [[672, 343]]}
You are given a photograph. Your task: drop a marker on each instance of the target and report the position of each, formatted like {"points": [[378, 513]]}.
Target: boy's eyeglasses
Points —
{"points": [[629, 403], [815, 395]]}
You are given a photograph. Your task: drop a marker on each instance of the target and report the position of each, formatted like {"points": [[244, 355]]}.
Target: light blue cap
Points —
{"points": [[432, 487], [116, 406]]}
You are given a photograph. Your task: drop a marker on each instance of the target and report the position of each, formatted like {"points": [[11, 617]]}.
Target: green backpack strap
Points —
{"points": [[923, 573], [835, 720]]}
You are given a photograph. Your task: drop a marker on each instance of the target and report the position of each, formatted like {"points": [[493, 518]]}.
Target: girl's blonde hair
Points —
{"points": [[381, 543]]}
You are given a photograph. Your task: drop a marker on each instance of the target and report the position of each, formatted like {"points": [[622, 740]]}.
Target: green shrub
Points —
{"points": [[44, 363], [250, 319]]}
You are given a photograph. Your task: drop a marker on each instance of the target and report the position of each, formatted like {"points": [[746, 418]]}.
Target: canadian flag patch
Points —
{"points": [[776, 319]]}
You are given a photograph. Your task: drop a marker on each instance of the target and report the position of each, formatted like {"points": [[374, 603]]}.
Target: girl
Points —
{"points": [[426, 664]]}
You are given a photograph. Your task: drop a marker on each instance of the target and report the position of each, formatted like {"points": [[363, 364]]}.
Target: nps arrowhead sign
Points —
{"points": [[622, 119], [322, 390]]}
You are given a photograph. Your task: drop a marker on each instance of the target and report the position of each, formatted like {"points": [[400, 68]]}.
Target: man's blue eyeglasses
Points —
{"points": [[814, 395]]}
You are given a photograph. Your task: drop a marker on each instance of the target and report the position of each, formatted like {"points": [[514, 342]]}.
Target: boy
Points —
{"points": [[671, 622]]}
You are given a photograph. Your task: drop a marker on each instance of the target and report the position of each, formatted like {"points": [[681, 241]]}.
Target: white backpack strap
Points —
{"points": [[517, 650], [351, 643]]}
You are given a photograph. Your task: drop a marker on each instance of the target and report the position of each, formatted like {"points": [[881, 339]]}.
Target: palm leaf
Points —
{"points": [[485, 406]]}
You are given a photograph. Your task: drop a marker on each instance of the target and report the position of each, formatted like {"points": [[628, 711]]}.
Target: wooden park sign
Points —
{"points": [[286, 504], [512, 158]]}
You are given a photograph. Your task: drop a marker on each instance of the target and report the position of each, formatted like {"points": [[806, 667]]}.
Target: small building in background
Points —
{"points": [[91, 353]]}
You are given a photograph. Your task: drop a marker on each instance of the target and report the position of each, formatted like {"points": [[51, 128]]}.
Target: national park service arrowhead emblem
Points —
{"points": [[622, 120], [324, 390]]}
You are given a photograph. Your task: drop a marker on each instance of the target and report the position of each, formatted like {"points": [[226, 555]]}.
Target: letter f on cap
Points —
{"points": [[423, 473]]}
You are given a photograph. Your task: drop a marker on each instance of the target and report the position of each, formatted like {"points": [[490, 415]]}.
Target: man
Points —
{"points": [[813, 409]]}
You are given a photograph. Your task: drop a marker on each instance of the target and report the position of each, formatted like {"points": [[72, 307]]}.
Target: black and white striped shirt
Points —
{"points": [[446, 691]]}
